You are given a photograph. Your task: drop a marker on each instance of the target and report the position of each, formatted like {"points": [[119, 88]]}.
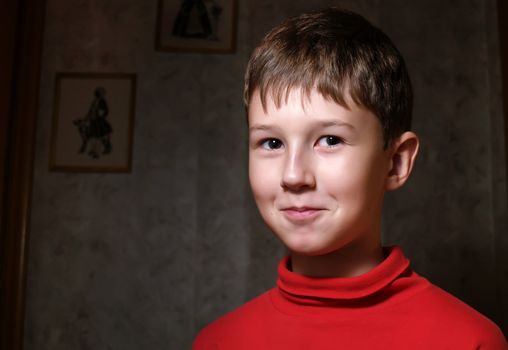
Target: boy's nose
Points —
{"points": [[297, 174]]}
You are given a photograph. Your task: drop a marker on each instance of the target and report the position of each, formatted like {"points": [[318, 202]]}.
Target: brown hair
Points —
{"points": [[340, 54]]}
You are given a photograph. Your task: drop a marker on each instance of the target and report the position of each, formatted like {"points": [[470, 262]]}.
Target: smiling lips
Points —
{"points": [[301, 213]]}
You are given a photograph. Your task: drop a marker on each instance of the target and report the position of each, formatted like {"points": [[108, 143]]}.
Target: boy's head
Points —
{"points": [[329, 105], [342, 56]]}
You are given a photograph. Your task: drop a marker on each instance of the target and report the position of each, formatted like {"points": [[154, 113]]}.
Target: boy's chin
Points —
{"points": [[308, 248]]}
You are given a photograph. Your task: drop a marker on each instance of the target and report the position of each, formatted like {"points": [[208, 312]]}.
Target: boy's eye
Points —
{"points": [[329, 141], [271, 144]]}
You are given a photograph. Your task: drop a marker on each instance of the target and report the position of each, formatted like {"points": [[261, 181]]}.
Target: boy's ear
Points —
{"points": [[403, 154]]}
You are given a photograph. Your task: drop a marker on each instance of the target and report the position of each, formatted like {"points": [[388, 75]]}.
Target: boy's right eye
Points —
{"points": [[271, 144]]}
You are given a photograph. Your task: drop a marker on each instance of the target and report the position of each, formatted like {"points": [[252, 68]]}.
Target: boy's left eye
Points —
{"points": [[329, 141]]}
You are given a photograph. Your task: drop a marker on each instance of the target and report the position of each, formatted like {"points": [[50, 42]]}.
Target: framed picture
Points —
{"points": [[196, 26], [92, 122]]}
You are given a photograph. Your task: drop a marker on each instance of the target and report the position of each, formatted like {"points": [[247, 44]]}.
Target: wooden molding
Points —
{"points": [[21, 45], [502, 12]]}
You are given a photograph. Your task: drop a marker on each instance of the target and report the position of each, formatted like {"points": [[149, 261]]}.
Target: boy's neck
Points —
{"points": [[349, 261]]}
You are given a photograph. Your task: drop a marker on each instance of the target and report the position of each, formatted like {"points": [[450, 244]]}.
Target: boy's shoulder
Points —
{"points": [[437, 309], [235, 324]]}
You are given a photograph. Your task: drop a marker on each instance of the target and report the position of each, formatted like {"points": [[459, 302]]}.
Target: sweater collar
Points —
{"points": [[306, 290]]}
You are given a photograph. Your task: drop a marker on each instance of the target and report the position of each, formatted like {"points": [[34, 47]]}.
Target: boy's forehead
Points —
{"points": [[297, 99]]}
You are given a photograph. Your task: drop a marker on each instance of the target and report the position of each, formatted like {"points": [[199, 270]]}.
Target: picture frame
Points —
{"points": [[93, 116], [206, 26]]}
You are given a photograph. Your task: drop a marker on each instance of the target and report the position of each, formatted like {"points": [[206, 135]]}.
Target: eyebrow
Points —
{"points": [[336, 123], [323, 124], [261, 127]]}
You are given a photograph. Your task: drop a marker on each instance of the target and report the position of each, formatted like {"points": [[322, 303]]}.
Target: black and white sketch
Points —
{"points": [[94, 128], [92, 122], [196, 25]]}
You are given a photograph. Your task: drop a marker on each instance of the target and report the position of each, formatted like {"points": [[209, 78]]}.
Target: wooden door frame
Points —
{"points": [[502, 12], [20, 47], [502, 19]]}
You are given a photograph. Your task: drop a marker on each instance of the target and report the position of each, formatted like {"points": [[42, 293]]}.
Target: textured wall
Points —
{"points": [[144, 260], [451, 218]]}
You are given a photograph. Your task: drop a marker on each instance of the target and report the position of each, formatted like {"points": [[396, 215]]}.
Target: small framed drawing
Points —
{"points": [[93, 118], [196, 26]]}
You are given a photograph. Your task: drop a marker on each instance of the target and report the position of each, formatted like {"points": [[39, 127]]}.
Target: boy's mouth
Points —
{"points": [[301, 213]]}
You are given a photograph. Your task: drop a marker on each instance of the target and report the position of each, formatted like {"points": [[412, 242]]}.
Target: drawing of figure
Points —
{"points": [[94, 126], [193, 20]]}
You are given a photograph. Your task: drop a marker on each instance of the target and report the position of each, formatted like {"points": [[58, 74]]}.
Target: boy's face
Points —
{"points": [[318, 172]]}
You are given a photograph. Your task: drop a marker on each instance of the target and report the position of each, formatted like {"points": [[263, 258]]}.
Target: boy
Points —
{"points": [[329, 109]]}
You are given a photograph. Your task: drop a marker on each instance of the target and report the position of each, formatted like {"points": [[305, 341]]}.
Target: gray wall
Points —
{"points": [[144, 260]]}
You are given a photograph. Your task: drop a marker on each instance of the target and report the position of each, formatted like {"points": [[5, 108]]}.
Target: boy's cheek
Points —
{"points": [[263, 180]]}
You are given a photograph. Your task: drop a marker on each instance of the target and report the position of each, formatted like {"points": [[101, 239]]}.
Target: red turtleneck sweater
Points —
{"points": [[389, 307]]}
